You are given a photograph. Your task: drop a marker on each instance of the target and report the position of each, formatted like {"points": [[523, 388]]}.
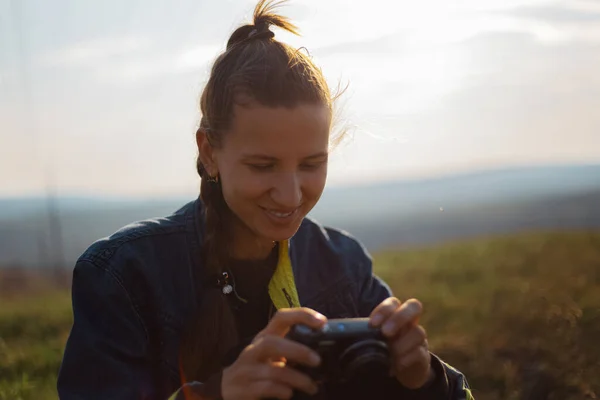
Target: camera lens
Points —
{"points": [[366, 357]]}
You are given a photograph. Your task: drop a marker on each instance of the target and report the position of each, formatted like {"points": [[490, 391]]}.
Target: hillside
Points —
{"points": [[578, 210], [410, 212], [519, 315]]}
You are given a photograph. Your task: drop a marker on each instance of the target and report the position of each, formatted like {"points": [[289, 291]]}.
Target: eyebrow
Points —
{"points": [[322, 154]]}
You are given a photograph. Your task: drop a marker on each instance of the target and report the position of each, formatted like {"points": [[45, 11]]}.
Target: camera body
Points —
{"points": [[350, 349]]}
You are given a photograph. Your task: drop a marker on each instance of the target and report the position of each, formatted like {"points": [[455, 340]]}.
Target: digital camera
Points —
{"points": [[349, 348]]}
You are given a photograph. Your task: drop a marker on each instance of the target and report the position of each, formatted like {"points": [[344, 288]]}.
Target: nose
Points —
{"points": [[287, 191]]}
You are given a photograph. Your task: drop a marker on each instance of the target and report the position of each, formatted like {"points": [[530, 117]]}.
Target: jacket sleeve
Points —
{"points": [[372, 290], [107, 355], [209, 390], [449, 383]]}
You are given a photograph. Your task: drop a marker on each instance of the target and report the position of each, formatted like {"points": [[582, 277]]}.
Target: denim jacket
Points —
{"points": [[133, 292]]}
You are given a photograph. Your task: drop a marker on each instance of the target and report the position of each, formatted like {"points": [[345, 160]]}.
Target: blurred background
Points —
{"points": [[471, 168]]}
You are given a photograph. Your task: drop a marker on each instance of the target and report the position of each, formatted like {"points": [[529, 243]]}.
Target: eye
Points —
{"points": [[312, 165], [261, 167]]}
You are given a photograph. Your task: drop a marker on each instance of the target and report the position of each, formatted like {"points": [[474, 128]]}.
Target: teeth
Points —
{"points": [[281, 215]]}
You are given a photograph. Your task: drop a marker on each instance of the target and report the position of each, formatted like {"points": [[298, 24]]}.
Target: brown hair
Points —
{"points": [[253, 68]]}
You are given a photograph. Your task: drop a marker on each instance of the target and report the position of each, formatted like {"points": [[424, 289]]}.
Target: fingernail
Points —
{"points": [[315, 359], [319, 317], [376, 319], [388, 327]]}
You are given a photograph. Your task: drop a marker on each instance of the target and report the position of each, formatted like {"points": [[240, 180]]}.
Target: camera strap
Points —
{"points": [[282, 287]]}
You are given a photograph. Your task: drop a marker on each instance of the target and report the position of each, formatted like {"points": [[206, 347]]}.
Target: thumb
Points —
{"points": [[285, 318]]}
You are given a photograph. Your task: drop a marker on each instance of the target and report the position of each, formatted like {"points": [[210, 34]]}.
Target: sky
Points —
{"points": [[102, 97]]}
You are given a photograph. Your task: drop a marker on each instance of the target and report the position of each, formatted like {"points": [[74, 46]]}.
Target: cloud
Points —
{"points": [[130, 59], [384, 44], [575, 21], [528, 94], [555, 13], [520, 58], [519, 101], [90, 52], [134, 70]]}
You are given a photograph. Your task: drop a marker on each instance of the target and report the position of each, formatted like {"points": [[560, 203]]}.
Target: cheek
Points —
{"points": [[242, 188], [313, 185]]}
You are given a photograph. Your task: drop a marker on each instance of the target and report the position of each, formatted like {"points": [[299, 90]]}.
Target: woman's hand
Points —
{"points": [[260, 371], [407, 340]]}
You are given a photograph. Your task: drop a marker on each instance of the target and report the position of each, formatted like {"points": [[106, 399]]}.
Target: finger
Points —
{"points": [[284, 319], [407, 313], [414, 338], [418, 355], [289, 377], [270, 348], [385, 309], [266, 389], [279, 361]]}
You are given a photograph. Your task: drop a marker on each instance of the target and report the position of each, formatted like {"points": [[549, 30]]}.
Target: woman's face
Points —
{"points": [[273, 166]]}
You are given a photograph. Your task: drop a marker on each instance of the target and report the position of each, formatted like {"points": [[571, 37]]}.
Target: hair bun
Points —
{"points": [[264, 17], [261, 32], [250, 32], [239, 35]]}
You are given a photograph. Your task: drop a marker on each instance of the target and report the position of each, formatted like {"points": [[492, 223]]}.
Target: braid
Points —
{"points": [[216, 216], [213, 331], [216, 213]]}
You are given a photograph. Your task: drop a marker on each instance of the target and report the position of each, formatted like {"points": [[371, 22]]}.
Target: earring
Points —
{"points": [[213, 179], [224, 284]]}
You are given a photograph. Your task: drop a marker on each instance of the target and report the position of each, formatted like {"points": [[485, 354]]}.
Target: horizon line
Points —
{"points": [[459, 172]]}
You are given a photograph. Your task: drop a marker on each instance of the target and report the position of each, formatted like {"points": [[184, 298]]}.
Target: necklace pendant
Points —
{"points": [[227, 289]]}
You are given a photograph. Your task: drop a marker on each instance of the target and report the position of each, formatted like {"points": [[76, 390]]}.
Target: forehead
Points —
{"points": [[279, 131]]}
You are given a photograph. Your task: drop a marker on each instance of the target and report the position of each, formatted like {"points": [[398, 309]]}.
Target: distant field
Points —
{"points": [[519, 315], [33, 332]]}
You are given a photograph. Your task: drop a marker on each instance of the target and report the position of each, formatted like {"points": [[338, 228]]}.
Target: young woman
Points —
{"points": [[198, 304]]}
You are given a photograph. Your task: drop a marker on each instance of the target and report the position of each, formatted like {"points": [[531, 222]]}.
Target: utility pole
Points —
{"points": [[49, 236], [55, 226], [55, 231]]}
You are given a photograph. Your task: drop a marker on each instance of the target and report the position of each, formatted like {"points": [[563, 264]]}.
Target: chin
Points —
{"points": [[280, 233]]}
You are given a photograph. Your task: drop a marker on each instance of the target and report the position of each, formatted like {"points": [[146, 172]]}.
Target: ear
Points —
{"points": [[206, 153]]}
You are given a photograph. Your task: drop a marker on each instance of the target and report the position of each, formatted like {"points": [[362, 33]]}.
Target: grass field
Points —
{"points": [[33, 331], [519, 315]]}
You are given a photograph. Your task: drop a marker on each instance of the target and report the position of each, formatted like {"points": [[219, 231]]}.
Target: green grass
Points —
{"points": [[33, 331], [512, 313]]}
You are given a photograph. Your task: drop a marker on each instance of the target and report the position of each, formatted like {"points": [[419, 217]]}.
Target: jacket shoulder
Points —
{"points": [[330, 252], [332, 239], [136, 237]]}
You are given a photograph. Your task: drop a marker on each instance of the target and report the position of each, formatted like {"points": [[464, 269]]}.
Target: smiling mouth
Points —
{"points": [[280, 214]]}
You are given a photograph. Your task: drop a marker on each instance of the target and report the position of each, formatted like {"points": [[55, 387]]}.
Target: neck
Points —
{"points": [[248, 246], [254, 251]]}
